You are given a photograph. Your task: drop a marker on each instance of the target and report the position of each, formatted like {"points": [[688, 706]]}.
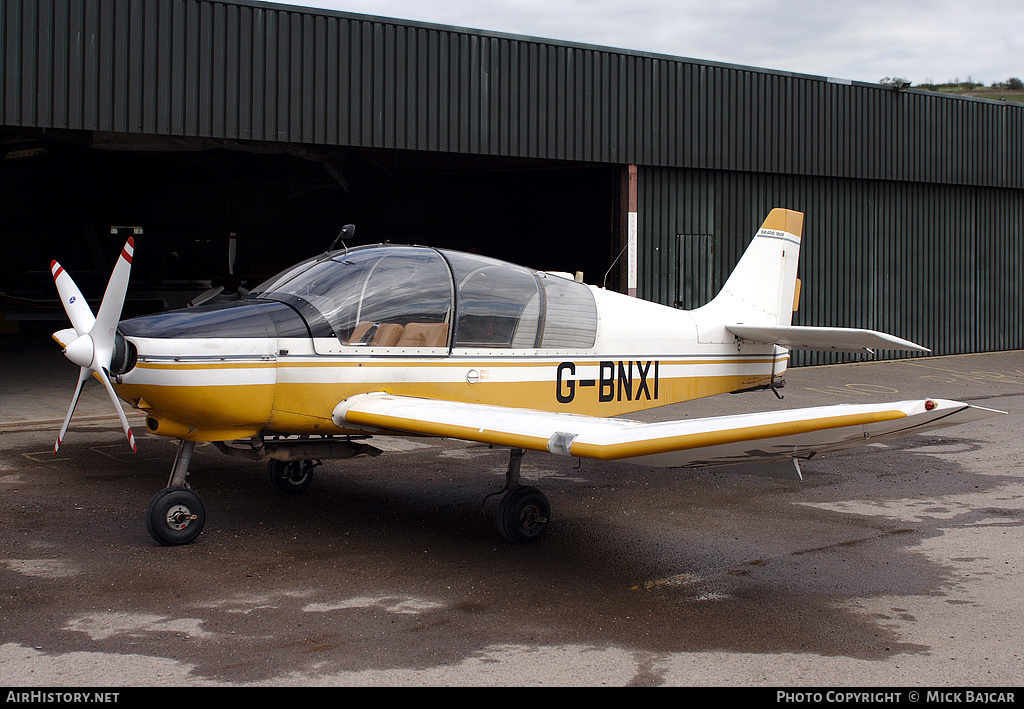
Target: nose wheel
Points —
{"points": [[176, 514]]}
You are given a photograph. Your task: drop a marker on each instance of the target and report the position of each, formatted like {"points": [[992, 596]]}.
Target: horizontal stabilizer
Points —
{"points": [[840, 339], [715, 441]]}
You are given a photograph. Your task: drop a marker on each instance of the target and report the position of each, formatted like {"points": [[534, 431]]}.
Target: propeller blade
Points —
{"points": [[113, 301], [74, 304], [83, 374], [105, 378], [205, 296]]}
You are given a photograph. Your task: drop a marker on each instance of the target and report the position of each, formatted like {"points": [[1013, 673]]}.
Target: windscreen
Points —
{"points": [[361, 291]]}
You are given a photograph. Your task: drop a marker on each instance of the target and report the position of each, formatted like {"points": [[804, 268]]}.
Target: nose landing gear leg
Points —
{"points": [[176, 514]]}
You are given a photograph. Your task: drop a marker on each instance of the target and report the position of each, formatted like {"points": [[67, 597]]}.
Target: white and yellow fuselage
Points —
{"points": [[644, 356]]}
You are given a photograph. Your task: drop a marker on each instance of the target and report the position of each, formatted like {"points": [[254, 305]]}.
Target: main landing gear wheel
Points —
{"points": [[175, 516], [523, 515], [290, 476]]}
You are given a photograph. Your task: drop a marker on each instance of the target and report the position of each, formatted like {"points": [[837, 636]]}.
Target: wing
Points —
{"points": [[723, 440], [842, 339]]}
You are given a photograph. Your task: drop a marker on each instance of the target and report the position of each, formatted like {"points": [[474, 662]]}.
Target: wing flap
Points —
{"points": [[722, 440], [840, 339]]}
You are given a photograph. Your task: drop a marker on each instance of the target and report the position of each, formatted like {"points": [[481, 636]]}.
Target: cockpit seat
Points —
{"points": [[361, 330], [387, 335], [424, 335], [376, 334]]}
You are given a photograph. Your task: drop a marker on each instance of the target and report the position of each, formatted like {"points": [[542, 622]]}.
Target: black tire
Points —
{"points": [[175, 516], [290, 477], [523, 515]]}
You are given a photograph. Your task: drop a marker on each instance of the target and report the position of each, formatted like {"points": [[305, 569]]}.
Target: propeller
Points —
{"points": [[231, 284], [92, 347]]}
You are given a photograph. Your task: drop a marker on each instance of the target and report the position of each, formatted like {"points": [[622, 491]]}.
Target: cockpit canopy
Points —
{"points": [[412, 296]]}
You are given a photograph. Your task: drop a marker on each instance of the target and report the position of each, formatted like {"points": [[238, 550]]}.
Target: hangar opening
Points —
{"points": [[75, 196]]}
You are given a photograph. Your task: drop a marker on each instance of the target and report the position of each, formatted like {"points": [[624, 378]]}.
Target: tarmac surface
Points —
{"points": [[891, 566]]}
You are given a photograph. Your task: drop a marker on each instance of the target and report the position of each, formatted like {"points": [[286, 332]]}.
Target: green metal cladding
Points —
{"points": [[914, 201]]}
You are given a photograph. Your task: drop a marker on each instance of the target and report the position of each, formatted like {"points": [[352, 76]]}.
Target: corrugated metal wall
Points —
{"points": [[247, 70], [942, 265], [914, 201]]}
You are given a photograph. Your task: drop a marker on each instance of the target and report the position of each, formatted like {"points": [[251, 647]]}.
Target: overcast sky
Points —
{"points": [[925, 41]]}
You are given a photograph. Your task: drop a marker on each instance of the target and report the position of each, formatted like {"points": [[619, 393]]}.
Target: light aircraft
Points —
{"points": [[410, 340]]}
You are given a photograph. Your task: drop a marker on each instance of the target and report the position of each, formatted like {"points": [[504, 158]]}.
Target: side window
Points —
{"points": [[570, 319], [498, 304]]}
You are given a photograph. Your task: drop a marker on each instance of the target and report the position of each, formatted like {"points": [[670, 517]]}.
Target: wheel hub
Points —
{"points": [[531, 517], [296, 474], [179, 517]]}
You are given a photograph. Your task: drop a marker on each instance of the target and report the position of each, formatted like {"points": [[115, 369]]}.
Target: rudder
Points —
{"points": [[761, 290]]}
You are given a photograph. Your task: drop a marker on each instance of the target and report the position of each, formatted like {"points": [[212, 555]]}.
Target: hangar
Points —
{"points": [[196, 124]]}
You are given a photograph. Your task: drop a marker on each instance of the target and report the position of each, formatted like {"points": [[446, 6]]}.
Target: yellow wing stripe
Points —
{"points": [[689, 441], [447, 430]]}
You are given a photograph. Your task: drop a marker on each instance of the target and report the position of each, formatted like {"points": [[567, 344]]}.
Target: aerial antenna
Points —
{"points": [[605, 281], [347, 231]]}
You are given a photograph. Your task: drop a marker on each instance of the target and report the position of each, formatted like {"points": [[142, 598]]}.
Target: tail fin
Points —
{"points": [[756, 303], [762, 288]]}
